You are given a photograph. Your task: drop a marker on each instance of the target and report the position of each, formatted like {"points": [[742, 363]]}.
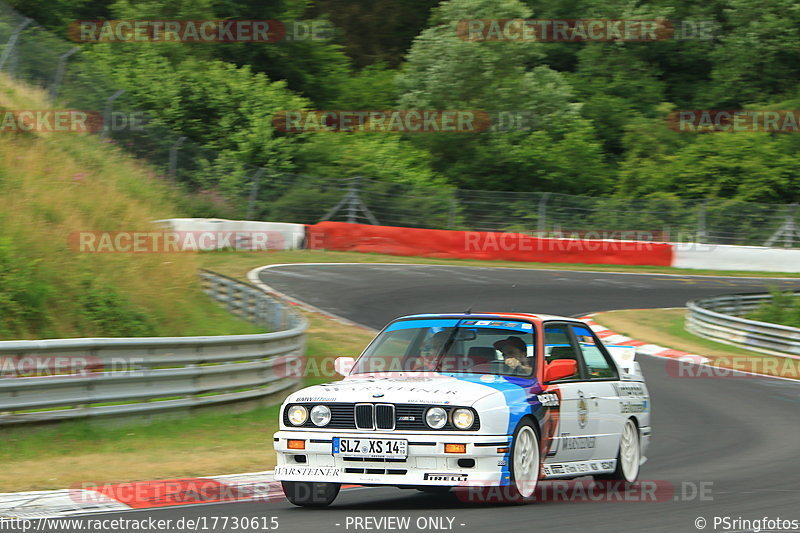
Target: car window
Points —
{"points": [[451, 345], [558, 345], [597, 364]]}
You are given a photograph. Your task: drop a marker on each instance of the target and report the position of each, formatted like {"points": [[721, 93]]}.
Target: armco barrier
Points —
{"points": [[344, 236], [138, 376], [716, 318]]}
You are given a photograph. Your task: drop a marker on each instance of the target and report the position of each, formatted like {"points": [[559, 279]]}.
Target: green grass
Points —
{"points": [[181, 434], [52, 188], [80, 451]]}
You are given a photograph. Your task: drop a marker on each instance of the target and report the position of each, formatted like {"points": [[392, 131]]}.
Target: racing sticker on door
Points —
{"points": [[551, 402]]}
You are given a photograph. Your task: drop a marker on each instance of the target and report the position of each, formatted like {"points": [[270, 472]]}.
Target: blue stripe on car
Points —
{"points": [[520, 399]]}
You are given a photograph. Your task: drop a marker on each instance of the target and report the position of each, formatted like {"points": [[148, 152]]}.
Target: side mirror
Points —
{"points": [[560, 369], [343, 365]]}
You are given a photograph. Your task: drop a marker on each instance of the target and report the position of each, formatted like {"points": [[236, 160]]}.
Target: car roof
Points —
{"points": [[538, 317]]}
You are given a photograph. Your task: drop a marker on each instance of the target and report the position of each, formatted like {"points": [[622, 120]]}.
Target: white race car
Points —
{"points": [[449, 400]]}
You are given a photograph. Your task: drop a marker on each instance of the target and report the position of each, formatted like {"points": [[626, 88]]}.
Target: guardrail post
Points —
{"points": [[276, 316]]}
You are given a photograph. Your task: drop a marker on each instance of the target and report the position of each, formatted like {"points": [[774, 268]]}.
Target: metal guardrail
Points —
{"points": [[138, 376], [249, 302], [719, 318]]}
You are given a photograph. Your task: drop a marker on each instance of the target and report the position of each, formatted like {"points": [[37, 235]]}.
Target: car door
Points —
{"points": [[573, 438], [602, 393]]}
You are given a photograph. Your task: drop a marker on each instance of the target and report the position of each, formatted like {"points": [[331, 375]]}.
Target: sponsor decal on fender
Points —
{"points": [[548, 399], [577, 467], [577, 443], [633, 407], [629, 389]]}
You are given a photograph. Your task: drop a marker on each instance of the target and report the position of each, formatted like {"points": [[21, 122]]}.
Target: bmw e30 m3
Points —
{"points": [[462, 400]]}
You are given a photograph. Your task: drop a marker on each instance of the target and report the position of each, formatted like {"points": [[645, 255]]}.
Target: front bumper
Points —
{"points": [[426, 463]]}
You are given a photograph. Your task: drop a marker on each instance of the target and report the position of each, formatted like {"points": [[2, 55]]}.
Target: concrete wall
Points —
{"points": [[243, 234], [749, 258]]}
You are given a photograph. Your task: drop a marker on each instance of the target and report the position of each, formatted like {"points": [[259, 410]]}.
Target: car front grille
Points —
{"points": [[364, 418], [380, 417], [384, 416]]}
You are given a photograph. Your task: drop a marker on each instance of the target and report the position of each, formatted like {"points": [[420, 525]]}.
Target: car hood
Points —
{"points": [[462, 389]]}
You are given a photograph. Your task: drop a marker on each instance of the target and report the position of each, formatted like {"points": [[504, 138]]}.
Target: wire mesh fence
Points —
{"points": [[36, 56]]}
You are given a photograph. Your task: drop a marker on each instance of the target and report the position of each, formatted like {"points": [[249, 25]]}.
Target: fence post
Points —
{"points": [[788, 232], [451, 223], [352, 206], [107, 113], [12, 42], [701, 223], [251, 202], [62, 65], [173, 158], [542, 222]]}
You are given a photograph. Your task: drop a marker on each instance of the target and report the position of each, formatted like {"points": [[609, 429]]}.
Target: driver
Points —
{"points": [[515, 352], [430, 356]]}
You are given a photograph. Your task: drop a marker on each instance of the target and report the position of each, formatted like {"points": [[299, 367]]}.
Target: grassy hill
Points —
{"points": [[54, 184]]}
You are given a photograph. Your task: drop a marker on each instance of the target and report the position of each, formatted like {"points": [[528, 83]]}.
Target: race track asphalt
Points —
{"points": [[736, 438]]}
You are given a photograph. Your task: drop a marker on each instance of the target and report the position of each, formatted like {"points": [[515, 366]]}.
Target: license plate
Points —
{"points": [[370, 448]]}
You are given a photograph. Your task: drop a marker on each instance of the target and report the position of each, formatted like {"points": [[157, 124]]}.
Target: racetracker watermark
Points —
{"points": [[481, 241], [145, 494], [198, 31], [735, 367], [68, 121], [583, 30], [22, 366], [735, 121], [174, 241], [590, 491], [422, 366], [385, 121]]}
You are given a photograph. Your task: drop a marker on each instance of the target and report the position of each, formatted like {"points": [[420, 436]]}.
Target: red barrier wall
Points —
{"points": [[347, 237]]}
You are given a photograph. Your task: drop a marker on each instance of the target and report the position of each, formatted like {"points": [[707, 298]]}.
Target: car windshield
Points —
{"points": [[476, 346]]}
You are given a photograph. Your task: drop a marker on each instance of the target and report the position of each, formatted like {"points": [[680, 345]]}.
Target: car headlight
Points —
{"points": [[436, 417], [320, 415], [297, 415], [463, 418]]}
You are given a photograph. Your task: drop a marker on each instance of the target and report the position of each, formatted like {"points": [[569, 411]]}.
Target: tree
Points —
{"points": [[757, 57], [445, 71]]}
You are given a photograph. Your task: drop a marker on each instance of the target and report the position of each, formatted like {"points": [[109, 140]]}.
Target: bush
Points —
{"points": [[784, 309]]}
